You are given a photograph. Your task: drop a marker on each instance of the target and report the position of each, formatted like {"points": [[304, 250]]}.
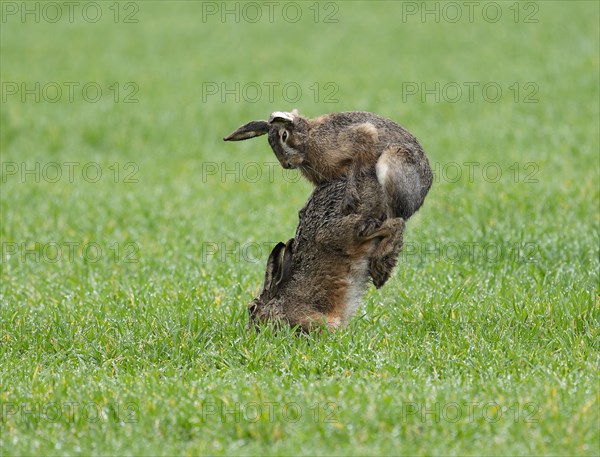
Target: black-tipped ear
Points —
{"points": [[250, 130], [286, 263], [273, 266]]}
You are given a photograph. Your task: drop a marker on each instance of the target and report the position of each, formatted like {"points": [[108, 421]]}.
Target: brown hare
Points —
{"points": [[320, 276], [344, 144]]}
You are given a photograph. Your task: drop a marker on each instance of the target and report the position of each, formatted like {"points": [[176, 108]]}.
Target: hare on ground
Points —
{"points": [[344, 144], [320, 276]]}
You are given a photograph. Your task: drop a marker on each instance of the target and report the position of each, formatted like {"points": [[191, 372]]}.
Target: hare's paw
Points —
{"points": [[366, 227]]}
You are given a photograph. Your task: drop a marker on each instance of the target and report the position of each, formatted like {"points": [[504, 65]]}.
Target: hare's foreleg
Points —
{"points": [[351, 196], [358, 144]]}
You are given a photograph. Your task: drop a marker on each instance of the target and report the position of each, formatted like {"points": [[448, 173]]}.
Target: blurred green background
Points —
{"points": [[133, 237]]}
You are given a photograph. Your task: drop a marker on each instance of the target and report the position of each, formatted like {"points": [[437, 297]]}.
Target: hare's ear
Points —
{"points": [[286, 263], [273, 266], [250, 130], [280, 116]]}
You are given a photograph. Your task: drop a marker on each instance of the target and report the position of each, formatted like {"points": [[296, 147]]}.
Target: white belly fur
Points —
{"points": [[382, 169], [357, 285]]}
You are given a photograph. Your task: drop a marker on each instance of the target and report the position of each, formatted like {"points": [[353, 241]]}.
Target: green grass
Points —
{"points": [[135, 340]]}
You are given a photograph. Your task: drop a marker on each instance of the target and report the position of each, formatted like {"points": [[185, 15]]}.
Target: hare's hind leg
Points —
{"points": [[385, 255], [384, 258]]}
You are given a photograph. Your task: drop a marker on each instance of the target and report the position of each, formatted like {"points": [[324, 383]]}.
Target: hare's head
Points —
{"points": [[288, 135]]}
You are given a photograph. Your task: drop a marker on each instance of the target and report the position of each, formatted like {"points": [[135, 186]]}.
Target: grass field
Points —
{"points": [[133, 237]]}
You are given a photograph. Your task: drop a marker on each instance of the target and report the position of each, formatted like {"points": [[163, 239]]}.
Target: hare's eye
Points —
{"points": [[284, 136]]}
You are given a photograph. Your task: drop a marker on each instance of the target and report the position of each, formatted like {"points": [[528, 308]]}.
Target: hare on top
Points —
{"points": [[345, 144]]}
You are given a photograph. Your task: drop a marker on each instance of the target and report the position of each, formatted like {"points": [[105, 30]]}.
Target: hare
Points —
{"points": [[344, 144], [319, 276]]}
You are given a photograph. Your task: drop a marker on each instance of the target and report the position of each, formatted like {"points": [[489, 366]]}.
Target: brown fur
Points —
{"points": [[319, 277], [346, 144]]}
